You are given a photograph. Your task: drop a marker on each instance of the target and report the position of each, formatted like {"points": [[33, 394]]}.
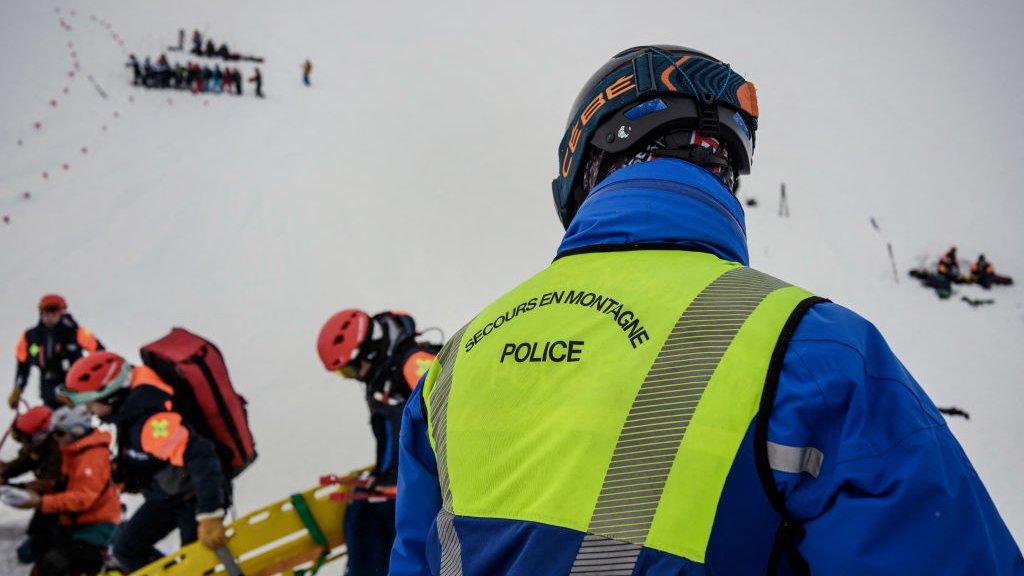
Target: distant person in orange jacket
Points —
{"points": [[52, 345], [983, 273], [307, 70], [89, 507], [948, 266]]}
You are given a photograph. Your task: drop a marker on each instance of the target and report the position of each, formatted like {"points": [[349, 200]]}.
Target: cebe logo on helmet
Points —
{"points": [[95, 377], [340, 339], [52, 303], [34, 424], [651, 88]]}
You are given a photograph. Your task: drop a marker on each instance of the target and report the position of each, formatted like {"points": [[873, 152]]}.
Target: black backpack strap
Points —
{"points": [[790, 532]]}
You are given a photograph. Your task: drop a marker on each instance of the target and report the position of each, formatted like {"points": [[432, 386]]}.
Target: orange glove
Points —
{"points": [[211, 530]]}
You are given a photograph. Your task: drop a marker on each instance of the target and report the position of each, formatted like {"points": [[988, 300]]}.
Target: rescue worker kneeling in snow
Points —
{"points": [[176, 469], [89, 507], [40, 455], [650, 405], [384, 354]]}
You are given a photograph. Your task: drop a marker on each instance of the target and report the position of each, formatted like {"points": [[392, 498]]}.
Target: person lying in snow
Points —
{"points": [[940, 282]]}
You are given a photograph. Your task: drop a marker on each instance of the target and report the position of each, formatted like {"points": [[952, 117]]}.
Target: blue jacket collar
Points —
{"points": [[660, 203]]}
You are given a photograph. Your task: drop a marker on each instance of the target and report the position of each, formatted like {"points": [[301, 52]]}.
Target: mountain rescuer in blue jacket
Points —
{"points": [[383, 352], [649, 405]]}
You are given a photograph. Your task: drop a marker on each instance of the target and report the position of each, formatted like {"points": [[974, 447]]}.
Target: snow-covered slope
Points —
{"points": [[414, 174]]}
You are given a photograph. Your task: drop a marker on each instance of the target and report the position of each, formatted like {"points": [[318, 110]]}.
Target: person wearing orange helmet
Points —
{"points": [[52, 345], [88, 506], [160, 454], [383, 353], [40, 455]]}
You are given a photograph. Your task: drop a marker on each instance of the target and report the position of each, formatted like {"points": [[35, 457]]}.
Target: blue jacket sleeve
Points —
{"points": [[419, 495], [895, 493]]}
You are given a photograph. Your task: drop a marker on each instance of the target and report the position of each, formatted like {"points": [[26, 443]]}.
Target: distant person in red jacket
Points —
{"points": [[89, 507], [228, 81]]}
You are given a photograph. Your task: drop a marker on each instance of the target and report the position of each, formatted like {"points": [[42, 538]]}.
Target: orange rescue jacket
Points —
{"points": [[90, 497]]}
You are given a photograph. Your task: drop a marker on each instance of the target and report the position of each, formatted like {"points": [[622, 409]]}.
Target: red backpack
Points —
{"points": [[203, 394]]}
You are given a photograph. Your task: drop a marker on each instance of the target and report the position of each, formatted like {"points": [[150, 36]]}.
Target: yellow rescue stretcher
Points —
{"points": [[291, 537]]}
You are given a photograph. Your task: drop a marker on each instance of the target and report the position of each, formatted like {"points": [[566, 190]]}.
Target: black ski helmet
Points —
{"points": [[649, 89]]}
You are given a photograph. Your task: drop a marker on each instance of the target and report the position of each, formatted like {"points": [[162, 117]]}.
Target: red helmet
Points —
{"points": [[341, 337], [53, 302], [34, 421], [96, 376]]}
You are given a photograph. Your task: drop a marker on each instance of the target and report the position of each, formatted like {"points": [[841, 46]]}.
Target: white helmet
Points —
{"points": [[76, 421]]}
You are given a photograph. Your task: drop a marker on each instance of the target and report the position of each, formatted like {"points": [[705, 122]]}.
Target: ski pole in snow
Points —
{"points": [[230, 566], [783, 203], [892, 259]]}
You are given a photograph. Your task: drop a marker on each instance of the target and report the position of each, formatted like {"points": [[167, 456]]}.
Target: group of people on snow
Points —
{"points": [[948, 272], [210, 49], [77, 479], [191, 76]]}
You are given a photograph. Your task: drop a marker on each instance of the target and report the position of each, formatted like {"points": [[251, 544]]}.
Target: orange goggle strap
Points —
{"points": [[119, 382]]}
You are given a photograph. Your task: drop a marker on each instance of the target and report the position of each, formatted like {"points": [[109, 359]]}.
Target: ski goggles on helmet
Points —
{"points": [[119, 382]]}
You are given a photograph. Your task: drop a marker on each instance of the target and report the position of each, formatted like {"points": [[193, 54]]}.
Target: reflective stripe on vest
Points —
{"points": [[609, 394]]}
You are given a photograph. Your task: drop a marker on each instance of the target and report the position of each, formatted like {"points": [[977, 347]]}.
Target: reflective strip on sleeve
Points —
{"points": [[439, 414], [451, 548], [795, 459], [600, 556]]}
